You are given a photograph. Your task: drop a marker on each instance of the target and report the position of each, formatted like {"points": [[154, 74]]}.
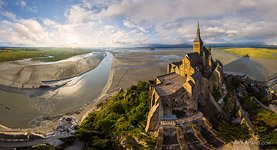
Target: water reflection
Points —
{"points": [[76, 93]]}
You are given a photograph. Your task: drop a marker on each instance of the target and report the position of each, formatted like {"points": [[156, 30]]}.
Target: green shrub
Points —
{"points": [[216, 94], [124, 114], [230, 132]]}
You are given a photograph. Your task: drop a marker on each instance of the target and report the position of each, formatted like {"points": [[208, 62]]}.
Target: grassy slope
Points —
{"points": [[11, 54], [254, 52], [122, 117]]}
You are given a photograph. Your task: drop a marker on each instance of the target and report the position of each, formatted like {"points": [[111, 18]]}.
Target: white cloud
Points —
{"points": [[129, 22], [50, 23], [135, 23], [9, 15], [24, 32], [78, 14]]}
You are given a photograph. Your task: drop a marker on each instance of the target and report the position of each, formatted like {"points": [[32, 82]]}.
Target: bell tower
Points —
{"points": [[197, 43]]}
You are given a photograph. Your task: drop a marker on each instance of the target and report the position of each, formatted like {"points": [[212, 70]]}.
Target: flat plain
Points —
{"points": [[267, 53]]}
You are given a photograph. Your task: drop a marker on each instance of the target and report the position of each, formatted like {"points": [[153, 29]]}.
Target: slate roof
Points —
{"points": [[194, 59], [196, 76], [178, 63]]}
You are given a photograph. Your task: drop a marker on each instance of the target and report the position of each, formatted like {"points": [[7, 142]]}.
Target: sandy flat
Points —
{"points": [[269, 64], [29, 74], [257, 68], [131, 67]]}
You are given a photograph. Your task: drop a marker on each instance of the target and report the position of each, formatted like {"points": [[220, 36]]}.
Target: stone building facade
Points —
{"points": [[177, 94]]}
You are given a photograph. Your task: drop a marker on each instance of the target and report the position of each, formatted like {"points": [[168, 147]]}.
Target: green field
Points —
{"points": [[253, 52], [40, 54]]}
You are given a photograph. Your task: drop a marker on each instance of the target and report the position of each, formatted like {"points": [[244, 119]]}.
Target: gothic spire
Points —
{"points": [[198, 29], [198, 38]]}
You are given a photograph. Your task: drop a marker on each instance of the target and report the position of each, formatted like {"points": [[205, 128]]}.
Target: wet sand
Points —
{"points": [[21, 111], [257, 68], [14, 113], [30, 74], [137, 66], [129, 67], [269, 64]]}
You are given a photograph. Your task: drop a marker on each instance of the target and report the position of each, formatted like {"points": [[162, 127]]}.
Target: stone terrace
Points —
{"points": [[170, 83]]}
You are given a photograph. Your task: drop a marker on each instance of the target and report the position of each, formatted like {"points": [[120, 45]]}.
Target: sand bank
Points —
{"points": [[257, 68], [130, 67], [20, 110], [30, 74]]}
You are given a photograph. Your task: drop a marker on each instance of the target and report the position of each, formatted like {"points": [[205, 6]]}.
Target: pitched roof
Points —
{"points": [[194, 59], [178, 63], [196, 76]]}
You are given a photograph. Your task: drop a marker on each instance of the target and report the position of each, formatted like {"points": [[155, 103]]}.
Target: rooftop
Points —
{"points": [[178, 63], [194, 59], [170, 84]]}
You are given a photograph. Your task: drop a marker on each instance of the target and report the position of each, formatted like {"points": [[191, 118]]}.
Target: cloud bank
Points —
{"points": [[104, 23]]}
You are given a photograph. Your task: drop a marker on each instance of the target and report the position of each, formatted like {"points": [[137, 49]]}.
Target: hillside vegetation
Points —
{"points": [[264, 121], [120, 122], [47, 55], [253, 52]]}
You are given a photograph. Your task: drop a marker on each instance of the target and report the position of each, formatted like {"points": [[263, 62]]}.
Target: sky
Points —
{"points": [[115, 23]]}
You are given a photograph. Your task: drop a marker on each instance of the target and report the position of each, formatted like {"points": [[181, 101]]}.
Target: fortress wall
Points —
{"points": [[153, 118], [156, 111]]}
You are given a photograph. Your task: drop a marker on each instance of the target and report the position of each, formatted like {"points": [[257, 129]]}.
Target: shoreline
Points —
{"points": [[123, 73], [93, 106], [46, 83], [18, 75], [80, 114]]}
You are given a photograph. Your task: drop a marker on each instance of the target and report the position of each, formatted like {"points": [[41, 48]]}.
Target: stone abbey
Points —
{"points": [[175, 96]]}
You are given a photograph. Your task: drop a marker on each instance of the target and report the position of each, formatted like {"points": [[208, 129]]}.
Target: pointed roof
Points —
{"points": [[194, 59], [198, 37]]}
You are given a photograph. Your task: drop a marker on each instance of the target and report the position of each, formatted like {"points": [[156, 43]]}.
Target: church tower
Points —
{"points": [[197, 43]]}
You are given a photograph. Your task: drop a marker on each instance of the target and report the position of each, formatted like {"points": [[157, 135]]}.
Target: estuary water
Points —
{"points": [[21, 111], [18, 110]]}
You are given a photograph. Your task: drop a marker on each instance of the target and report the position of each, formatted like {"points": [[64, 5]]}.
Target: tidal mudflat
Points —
{"points": [[127, 67], [257, 68], [133, 66], [27, 73], [22, 108]]}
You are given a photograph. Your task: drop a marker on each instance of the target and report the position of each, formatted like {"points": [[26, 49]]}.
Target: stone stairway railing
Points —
{"points": [[190, 118], [202, 140], [210, 129], [243, 114]]}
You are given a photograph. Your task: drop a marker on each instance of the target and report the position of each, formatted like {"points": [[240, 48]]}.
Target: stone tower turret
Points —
{"points": [[198, 43]]}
